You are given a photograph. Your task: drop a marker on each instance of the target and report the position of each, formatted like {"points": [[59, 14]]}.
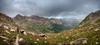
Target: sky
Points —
{"points": [[63, 9]]}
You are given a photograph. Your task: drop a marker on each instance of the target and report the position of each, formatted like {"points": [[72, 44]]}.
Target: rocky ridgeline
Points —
{"points": [[92, 18], [36, 19]]}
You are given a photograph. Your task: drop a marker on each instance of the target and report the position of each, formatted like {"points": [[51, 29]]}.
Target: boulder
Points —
{"points": [[79, 41]]}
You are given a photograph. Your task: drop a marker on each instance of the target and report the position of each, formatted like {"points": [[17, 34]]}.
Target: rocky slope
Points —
{"points": [[8, 30]]}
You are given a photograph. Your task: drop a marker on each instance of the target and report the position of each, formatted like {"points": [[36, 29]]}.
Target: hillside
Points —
{"points": [[88, 32]]}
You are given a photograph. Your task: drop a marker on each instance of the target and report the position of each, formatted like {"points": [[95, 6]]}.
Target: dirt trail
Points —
{"points": [[16, 41]]}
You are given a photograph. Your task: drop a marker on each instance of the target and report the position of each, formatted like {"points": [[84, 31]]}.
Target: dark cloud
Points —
{"points": [[50, 8]]}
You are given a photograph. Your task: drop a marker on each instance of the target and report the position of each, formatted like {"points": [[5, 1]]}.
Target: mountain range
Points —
{"points": [[18, 31], [43, 25]]}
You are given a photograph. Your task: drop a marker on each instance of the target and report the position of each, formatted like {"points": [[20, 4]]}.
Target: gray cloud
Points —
{"points": [[50, 8]]}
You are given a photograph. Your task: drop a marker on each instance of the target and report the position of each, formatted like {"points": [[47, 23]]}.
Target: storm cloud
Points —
{"points": [[77, 9]]}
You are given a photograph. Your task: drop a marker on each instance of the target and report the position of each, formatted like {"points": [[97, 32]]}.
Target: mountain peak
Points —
{"points": [[19, 17]]}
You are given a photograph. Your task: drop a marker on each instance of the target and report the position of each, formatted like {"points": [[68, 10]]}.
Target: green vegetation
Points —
{"points": [[57, 27]]}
